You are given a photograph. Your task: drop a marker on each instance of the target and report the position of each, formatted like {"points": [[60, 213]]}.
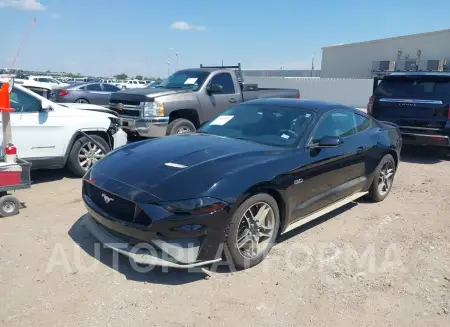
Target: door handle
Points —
{"points": [[232, 100]]}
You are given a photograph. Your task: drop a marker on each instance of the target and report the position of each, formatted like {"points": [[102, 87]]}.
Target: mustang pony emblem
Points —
{"points": [[106, 198]]}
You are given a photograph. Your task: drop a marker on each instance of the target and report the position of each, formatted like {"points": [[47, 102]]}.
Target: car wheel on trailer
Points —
{"points": [[85, 153], [253, 230], [383, 179], [9, 206], [180, 126]]}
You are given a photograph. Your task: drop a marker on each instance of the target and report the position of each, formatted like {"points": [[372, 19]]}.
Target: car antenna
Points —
{"points": [[25, 38]]}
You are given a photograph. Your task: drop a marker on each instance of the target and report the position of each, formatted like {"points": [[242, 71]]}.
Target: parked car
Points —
{"points": [[258, 170], [53, 136], [186, 100], [131, 84], [49, 81], [94, 93], [419, 102], [42, 89]]}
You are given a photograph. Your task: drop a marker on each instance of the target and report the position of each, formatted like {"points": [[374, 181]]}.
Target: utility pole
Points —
{"points": [[176, 66], [168, 68], [312, 64]]}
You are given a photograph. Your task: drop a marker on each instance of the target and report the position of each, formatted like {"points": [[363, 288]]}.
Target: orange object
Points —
{"points": [[5, 105]]}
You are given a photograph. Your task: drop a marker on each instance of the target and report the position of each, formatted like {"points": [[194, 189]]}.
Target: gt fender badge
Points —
{"points": [[298, 181]]}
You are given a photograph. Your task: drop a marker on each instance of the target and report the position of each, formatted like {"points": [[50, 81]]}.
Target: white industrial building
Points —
{"points": [[418, 52]]}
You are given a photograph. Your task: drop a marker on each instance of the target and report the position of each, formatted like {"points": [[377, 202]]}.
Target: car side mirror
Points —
{"points": [[330, 142], [11, 85], [45, 107], [214, 88]]}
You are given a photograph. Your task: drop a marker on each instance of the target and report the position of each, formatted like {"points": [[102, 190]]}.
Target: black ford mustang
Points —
{"points": [[260, 169]]}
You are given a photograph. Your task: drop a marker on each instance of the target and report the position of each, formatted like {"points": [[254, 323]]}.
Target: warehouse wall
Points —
{"points": [[355, 60], [351, 92]]}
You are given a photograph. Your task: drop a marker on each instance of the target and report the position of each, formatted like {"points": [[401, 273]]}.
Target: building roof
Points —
{"points": [[389, 38]]}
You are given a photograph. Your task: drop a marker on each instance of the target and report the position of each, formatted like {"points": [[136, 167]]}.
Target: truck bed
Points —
{"points": [[261, 93]]}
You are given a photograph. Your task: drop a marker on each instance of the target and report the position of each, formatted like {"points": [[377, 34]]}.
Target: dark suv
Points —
{"points": [[418, 103]]}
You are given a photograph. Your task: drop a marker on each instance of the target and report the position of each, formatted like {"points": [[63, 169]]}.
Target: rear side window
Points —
{"points": [[414, 87], [93, 87], [362, 123]]}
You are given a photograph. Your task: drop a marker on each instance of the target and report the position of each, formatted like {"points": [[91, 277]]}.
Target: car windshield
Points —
{"points": [[414, 87], [185, 79], [266, 124]]}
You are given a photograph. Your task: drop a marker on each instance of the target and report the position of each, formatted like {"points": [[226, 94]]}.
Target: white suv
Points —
{"points": [[52, 136]]}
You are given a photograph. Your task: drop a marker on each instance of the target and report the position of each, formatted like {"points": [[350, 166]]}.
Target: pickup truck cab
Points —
{"points": [[185, 100], [50, 135], [418, 102]]}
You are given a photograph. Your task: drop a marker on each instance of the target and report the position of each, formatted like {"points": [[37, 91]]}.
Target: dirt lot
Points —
{"points": [[49, 276]]}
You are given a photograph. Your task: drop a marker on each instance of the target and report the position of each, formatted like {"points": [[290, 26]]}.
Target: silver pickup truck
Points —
{"points": [[186, 99]]}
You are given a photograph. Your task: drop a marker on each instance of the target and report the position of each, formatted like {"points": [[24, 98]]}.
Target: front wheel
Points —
{"points": [[383, 179], [180, 126], [253, 230], [85, 153]]}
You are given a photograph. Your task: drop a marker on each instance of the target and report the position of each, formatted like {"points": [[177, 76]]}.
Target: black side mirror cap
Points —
{"points": [[214, 88], [328, 142]]}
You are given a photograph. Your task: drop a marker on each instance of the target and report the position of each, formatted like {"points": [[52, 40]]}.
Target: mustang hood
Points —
{"points": [[176, 167]]}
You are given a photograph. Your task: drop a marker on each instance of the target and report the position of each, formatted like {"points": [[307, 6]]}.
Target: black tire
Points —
{"points": [[375, 193], [180, 125], [9, 206], [81, 100], [239, 260], [73, 162]]}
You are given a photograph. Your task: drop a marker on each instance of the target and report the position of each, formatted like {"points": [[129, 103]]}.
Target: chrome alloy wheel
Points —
{"points": [[183, 129], [255, 230], [89, 154], [386, 177]]}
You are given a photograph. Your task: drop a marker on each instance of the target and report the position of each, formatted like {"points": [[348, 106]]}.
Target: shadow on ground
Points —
{"points": [[81, 235], [45, 176], [424, 155], [169, 276]]}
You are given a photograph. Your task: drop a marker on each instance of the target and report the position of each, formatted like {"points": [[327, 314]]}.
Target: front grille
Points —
{"points": [[117, 208], [128, 112], [125, 102]]}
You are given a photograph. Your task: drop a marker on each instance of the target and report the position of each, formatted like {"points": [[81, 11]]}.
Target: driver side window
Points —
{"points": [[23, 102], [336, 123]]}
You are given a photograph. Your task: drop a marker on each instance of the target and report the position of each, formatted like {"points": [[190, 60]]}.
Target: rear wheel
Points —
{"points": [[180, 126], [383, 179], [253, 230], [81, 101], [85, 153]]}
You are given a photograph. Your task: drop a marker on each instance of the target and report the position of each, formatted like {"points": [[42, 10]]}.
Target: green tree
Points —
{"points": [[139, 77], [121, 76]]}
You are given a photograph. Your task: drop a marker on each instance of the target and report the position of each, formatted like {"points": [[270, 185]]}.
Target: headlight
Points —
{"points": [[153, 109], [198, 206]]}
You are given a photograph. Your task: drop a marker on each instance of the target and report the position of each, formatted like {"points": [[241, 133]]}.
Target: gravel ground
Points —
{"points": [[384, 264]]}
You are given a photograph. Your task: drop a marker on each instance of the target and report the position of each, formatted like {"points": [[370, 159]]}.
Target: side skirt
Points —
{"points": [[324, 211]]}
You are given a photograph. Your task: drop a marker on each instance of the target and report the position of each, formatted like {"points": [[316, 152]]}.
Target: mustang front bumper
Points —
{"points": [[152, 235], [149, 255]]}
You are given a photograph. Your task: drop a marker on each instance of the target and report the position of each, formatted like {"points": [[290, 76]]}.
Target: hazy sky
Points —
{"points": [[106, 37]]}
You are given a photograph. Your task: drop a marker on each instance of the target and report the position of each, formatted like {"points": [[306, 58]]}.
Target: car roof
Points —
{"points": [[447, 74], [311, 105]]}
